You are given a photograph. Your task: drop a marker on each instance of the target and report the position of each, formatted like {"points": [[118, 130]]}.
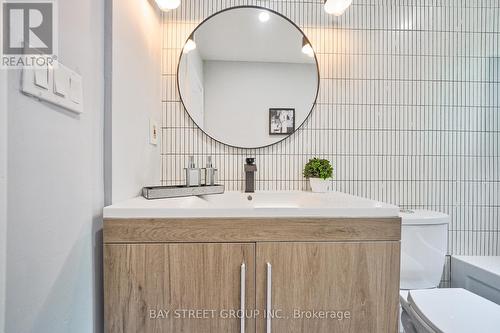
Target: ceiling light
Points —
{"points": [[307, 48], [337, 7], [166, 5], [190, 44], [264, 16]]}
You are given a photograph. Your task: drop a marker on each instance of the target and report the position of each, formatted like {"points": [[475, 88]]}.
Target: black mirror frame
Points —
{"points": [[315, 59]]}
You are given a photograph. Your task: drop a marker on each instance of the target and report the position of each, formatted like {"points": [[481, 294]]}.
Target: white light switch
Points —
{"points": [[42, 77], [61, 81], [153, 132], [75, 84]]}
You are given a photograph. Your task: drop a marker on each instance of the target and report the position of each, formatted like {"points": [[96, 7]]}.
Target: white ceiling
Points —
{"points": [[239, 35]]}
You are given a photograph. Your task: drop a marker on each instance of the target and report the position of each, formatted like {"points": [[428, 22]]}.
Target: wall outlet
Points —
{"points": [[153, 132]]}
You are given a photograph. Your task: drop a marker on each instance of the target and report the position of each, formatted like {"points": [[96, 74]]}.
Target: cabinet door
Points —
{"points": [[166, 287], [313, 285]]}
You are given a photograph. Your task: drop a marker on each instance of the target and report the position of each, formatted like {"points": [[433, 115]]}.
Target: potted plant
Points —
{"points": [[320, 174]]}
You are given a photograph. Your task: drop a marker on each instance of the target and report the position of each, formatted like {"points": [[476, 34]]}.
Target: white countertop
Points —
{"points": [[263, 204]]}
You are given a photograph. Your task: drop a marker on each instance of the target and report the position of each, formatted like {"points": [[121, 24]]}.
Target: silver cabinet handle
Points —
{"points": [[269, 303], [242, 295]]}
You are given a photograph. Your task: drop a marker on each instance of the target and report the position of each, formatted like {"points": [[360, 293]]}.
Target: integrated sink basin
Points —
{"points": [[259, 204]]}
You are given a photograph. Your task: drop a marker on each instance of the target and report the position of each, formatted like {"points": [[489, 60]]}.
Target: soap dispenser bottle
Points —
{"points": [[193, 174], [210, 173]]}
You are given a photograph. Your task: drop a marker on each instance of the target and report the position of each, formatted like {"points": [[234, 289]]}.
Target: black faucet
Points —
{"points": [[250, 169]]}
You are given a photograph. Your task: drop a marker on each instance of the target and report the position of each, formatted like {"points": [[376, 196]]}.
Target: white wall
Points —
{"points": [[238, 96], [135, 96], [55, 191], [3, 191]]}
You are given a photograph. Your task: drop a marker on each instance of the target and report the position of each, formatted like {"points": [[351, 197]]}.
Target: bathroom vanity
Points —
{"points": [[291, 262]]}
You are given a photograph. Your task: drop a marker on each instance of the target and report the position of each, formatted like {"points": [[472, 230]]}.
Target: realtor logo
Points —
{"points": [[28, 31]]}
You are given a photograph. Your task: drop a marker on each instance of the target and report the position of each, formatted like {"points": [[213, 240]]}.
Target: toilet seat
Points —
{"points": [[454, 310]]}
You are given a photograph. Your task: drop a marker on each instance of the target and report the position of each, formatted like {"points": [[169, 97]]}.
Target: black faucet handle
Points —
{"points": [[250, 160]]}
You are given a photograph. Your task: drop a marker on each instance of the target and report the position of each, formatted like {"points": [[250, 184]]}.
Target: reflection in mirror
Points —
{"points": [[250, 85]]}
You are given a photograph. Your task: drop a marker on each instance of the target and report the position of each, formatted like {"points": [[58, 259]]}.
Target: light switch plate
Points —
{"points": [[153, 132], [66, 82]]}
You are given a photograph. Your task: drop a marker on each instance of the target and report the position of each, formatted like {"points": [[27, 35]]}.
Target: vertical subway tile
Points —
{"points": [[408, 109]]}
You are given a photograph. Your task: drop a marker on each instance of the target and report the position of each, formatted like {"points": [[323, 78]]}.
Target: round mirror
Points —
{"points": [[248, 77]]}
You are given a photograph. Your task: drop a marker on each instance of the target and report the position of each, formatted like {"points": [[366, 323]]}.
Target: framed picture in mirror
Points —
{"points": [[281, 121]]}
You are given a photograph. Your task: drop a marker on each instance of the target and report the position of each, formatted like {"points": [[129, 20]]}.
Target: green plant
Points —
{"points": [[318, 168]]}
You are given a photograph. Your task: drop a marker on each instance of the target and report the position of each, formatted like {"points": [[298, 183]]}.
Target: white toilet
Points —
{"points": [[426, 309]]}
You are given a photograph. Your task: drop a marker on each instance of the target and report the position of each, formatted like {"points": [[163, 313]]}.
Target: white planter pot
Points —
{"points": [[319, 185]]}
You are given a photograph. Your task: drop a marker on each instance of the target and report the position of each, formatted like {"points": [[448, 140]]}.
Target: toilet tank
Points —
{"points": [[424, 242]]}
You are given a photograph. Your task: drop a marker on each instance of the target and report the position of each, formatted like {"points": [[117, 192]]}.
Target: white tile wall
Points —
{"points": [[408, 111]]}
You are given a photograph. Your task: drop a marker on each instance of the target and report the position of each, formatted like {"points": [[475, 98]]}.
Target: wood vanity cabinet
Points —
{"points": [[144, 281], [316, 275]]}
